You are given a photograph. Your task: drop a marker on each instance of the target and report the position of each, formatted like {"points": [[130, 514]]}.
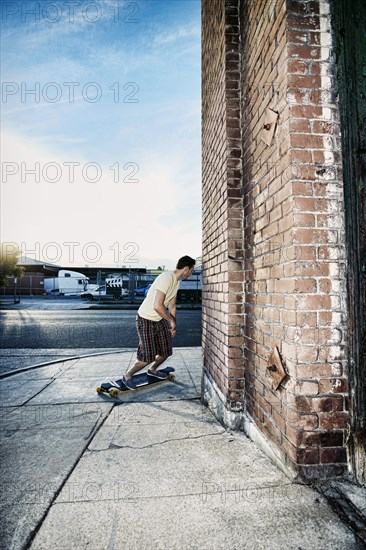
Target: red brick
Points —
{"points": [[300, 125], [296, 6], [307, 456], [296, 21], [303, 52], [300, 438], [333, 455], [298, 67], [322, 127], [314, 302], [306, 111], [306, 141], [327, 404], [304, 81], [332, 439], [324, 285], [314, 39], [314, 67], [305, 286], [301, 421], [297, 37], [333, 420], [333, 385]]}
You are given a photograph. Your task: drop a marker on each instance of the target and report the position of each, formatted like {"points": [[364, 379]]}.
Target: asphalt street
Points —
{"points": [[85, 328], [31, 335]]}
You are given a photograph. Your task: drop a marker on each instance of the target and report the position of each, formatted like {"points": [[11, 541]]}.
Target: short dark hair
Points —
{"points": [[185, 261]]}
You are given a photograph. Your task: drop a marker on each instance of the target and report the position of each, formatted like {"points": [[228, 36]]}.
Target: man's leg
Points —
{"points": [[139, 365], [146, 336], [144, 329], [136, 367], [159, 360], [163, 344]]}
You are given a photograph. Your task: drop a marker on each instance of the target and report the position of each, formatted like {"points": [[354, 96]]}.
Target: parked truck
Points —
{"points": [[67, 283]]}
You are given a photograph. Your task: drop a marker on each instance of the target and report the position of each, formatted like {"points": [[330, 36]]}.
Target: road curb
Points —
{"points": [[136, 307], [54, 361], [104, 306]]}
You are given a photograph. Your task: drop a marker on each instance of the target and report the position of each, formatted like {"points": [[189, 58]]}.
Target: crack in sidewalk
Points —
{"points": [[116, 446]]}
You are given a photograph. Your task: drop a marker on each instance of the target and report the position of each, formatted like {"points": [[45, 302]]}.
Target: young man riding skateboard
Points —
{"points": [[155, 325]]}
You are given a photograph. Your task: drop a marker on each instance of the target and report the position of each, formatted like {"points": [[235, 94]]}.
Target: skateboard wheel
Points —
{"points": [[99, 389], [171, 376], [113, 393]]}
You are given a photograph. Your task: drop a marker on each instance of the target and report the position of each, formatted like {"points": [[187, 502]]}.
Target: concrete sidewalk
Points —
{"points": [[151, 469]]}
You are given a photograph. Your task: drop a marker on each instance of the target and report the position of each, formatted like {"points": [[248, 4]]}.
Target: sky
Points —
{"points": [[100, 131]]}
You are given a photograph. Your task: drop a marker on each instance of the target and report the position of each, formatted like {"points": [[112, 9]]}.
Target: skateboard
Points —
{"points": [[141, 380]]}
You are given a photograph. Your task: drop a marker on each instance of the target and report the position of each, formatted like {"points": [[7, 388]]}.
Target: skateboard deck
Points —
{"points": [[141, 380]]}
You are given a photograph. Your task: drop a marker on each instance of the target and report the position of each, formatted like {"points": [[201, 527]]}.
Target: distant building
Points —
{"points": [[32, 282], [44, 278]]}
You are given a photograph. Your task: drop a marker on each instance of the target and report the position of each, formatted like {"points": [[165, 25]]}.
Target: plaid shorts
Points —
{"points": [[154, 339]]}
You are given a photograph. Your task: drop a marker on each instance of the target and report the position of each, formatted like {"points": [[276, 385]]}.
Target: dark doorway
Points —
{"points": [[350, 30]]}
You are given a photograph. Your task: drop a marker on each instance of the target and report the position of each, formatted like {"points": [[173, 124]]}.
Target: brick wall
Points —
{"points": [[280, 209], [222, 275]]}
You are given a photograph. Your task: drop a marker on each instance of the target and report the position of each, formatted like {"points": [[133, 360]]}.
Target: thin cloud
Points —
{"points": [[182, 33]]}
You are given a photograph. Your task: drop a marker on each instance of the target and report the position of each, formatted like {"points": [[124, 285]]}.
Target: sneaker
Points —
{"points": [[123, 383], [158, 374], [130, 384], [116, 384]]}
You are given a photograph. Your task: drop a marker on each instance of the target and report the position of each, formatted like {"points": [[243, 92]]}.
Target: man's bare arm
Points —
{"points": [[173, 308], [173, 312], [160, 309]]}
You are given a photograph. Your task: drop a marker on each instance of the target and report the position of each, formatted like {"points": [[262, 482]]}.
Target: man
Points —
{"points": [[155, 325]]}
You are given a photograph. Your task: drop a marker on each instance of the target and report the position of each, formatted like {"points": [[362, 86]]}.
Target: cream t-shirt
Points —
{"points": [[167, 283]]}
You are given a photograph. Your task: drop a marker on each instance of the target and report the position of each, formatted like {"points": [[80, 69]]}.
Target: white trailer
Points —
{"points": [[67, 283]]}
